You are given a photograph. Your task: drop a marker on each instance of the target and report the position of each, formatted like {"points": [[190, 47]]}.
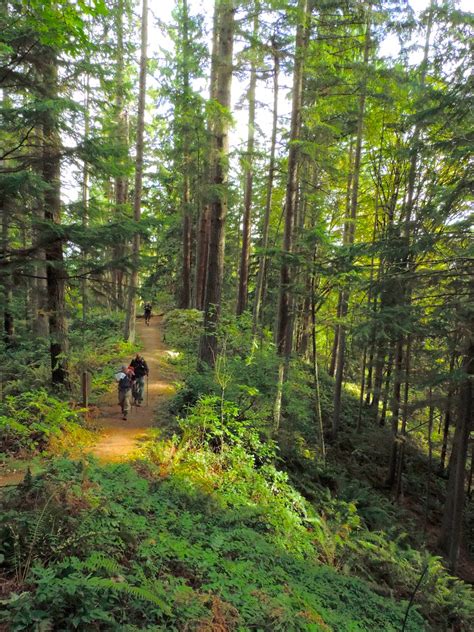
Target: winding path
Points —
{"points": [[118, 437]]}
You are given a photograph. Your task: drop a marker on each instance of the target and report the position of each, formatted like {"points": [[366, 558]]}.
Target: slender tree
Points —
{"points": [[284, 328], [137, 196], [263, 259], [248, 190]]}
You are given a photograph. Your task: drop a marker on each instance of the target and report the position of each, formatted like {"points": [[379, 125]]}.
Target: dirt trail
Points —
{"points": [[119, 438]]}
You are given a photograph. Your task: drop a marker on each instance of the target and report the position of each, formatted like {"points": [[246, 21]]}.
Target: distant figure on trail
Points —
{"points": [[125, 379], [140, 368], [147, 313]]}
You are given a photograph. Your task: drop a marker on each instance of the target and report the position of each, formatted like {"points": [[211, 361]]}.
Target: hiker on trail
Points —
{"points": [[147, 313], [140, 368], [124, 379]]}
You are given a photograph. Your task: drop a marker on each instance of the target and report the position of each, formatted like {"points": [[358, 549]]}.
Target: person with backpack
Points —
{"points": [[125, 379], [147, 313], [140, 368]]}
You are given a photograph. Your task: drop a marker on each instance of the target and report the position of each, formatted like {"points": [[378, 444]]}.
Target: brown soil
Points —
{"points": [[120, 438]]}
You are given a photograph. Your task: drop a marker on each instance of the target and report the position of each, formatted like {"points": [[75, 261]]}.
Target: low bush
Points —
{"points": [[29, 422], [215, 544]]}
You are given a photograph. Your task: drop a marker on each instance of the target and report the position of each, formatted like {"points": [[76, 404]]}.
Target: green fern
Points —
{"points": [[122, 586]]}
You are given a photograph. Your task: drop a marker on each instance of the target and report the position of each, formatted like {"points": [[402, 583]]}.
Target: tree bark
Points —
{"points": [[249, 159], [447, 415], [185, 299], [130, 318], [85, 196], [121, 180], [202, 246], [341, 349], [55, 271], [218, 181], [262, 267], [450, 538], [284, 324]]}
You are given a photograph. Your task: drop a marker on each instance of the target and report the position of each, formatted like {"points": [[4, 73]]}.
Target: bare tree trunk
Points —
{"points": [[261, 275], [202, 246], [85, 196], [39, 294], [121, 180], [55, 271], [218, 181], [130, 317], [430, 460], [404, 291], [249, 159], [337, 329], [185, 299], [341, 349], [388, 374], [450, 538], [447, 415], [335, 344], [6, 277], [285, 325], [202, 256], [395, 407], [402, 443]]}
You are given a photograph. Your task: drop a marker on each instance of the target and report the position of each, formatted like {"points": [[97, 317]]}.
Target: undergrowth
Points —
{"points": [[226, 525], [190, 540]]}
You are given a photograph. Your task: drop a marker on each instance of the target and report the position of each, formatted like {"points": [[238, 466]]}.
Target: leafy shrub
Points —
{"points": [[183, 328], [190, 390], [215, 422], [29, 421]]}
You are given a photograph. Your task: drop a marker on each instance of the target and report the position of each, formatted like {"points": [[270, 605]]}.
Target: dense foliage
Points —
{"points": [[290, 185]]}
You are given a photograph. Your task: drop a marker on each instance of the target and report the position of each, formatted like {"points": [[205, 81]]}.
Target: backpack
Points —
{"points": [[125, 383]]}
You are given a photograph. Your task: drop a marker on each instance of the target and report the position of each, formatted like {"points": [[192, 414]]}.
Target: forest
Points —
{"points": [[288, 185]]}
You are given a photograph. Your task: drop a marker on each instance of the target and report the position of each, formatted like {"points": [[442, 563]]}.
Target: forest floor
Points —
{"points": [[117, 438], [120, 438]]}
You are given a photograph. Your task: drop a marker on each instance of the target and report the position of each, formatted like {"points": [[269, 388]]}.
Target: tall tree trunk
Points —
{"points": [[388, 375], [395, 409], [450, 538], [261, 275], [404, 268], [6, 277], [369, 348], [341, 349], [202, 253], [398, 484], [39, 293], [85, 196], [130, 318], [202, 246], [337, 328], [55, 271], [430, 460], [121, 179], [185, 299], [218, 180], [447, 414], [285, 326], [335, 343], [317, 392], [249, 159]]}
